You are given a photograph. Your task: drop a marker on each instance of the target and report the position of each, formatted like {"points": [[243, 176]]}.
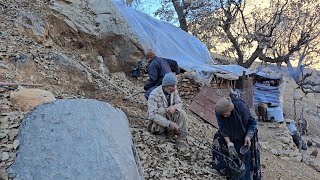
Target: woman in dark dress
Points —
{"points": [[237, 128]]}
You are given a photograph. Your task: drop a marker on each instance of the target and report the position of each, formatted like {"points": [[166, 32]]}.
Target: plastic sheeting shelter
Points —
{"points": [[168, 41], [76, 139], [230, 72], [264, 93]]}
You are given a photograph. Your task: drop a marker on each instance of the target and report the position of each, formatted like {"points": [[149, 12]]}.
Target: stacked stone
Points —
{"points": [[188, 88]]}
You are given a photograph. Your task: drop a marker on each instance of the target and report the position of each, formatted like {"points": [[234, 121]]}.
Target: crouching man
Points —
{"points": [[165, 111]]}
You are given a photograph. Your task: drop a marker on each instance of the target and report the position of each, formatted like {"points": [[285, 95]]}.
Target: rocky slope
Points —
{"points": [[42, 44]]}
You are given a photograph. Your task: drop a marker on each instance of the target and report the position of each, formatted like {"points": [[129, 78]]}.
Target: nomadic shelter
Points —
{"points": [[167, 40], [224, 78], [261, 85], [269, 88], [192, 55]]}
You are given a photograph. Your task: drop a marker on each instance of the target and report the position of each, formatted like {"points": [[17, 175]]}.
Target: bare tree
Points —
{"points": [[180, 9], [272, 31], [272, 34], [305, 77]]}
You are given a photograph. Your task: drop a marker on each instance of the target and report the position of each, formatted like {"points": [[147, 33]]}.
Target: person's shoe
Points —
{"points": [[155, 129]]}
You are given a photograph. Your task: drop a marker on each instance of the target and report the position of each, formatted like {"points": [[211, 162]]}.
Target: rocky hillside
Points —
{"points": [[90, 56]]}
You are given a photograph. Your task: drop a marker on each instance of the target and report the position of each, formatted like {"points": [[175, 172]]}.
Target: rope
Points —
{"points": [[207, 142]]}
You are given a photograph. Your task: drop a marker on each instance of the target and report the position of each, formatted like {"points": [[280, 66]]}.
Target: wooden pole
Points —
{"points": [[105, 79], [243, 79], [133, 95], [18, 84]]}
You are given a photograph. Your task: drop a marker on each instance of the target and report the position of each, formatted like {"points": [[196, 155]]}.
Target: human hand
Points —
{"points": [[171, 109], [232, 151], [247, 141], [173, 126]]}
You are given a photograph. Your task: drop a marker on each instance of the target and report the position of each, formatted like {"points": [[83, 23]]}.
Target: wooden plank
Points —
{"points": [[204, 105], [18, 84]]}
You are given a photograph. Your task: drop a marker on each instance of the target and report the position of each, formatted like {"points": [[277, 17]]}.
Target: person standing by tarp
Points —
{"points": [[296, 137], [165, 111], [237, 129], [157, 68]]}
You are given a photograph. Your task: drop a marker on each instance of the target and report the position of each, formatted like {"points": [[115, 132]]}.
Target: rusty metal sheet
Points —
{"points": [[204, 104]]}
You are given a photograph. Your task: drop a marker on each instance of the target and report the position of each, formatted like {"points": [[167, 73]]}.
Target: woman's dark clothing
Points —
{"points": [[239, 124], [236, 127]]}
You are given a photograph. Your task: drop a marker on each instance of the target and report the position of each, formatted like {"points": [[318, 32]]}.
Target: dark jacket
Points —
{"points": [[239, 124], [157, 69]]}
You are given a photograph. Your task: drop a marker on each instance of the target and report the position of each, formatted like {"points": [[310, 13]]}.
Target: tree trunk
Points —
{"points": [[234, 42], [181, 15], [253, 57]]}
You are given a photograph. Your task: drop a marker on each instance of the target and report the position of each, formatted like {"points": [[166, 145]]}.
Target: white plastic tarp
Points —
{"points": [[168, 41], [266, 94]]}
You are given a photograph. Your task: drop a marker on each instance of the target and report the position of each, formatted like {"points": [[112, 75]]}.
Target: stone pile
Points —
{"points": [[188, 88], [9, 127], [161, 159]]}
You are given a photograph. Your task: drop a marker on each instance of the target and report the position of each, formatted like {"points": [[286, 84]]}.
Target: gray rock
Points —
{"points": [[102, 66], [274, 151], [113, 37], [2, 135], [16, 143], [285, 158], [33, 26], [284, 152], [294, 153], [3, 174], [285, 140], [75, 139], [4, 156], [102, 12], [13, 133], [21, 58], [297, 158]]}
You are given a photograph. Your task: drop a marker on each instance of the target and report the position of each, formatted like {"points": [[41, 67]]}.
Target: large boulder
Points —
{"points": [[97, 26], [75, 139], [96, 17], [26, 99]]}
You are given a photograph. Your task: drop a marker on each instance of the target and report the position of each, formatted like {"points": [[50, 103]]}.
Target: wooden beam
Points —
{"points": [[18, 84]]}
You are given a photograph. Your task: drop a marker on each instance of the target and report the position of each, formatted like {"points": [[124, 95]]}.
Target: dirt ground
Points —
{"points": [[273, 166], [277, 167]]}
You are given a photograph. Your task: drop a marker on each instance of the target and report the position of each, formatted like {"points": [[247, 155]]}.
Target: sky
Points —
{"points": [[149, 7]]}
